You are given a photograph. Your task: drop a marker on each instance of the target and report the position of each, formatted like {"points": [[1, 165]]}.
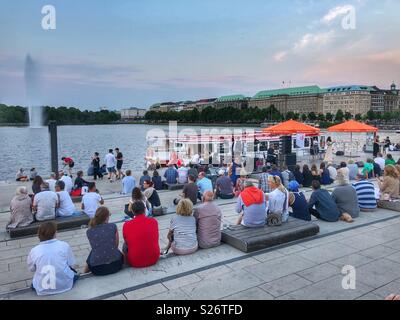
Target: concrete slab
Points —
{"points": [[285, 285]]}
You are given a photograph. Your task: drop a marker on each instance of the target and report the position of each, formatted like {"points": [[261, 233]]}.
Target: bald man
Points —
{"points": [[208, 217]]}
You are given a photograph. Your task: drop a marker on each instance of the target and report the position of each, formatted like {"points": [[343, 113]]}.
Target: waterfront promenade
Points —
{"points": [[307, 269]]}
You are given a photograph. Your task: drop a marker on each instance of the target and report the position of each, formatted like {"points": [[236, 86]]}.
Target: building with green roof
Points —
{"points": [[298, 99], [237, 101]]}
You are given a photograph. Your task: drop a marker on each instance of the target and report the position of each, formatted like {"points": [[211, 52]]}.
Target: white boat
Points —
{"points": [[221, 148]]}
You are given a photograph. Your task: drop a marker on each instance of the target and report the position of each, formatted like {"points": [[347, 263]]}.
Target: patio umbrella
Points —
{"points": [[291, 127], [352, 126]]}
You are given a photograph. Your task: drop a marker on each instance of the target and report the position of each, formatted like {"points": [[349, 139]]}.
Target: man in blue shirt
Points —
{"points": [[325, 208], [204, 184], [365, 193], [128, 183], [275, 172], [171, 174]]}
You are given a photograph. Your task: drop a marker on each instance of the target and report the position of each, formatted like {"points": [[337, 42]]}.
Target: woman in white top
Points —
{"points": [[329, 150], [278, 198]]}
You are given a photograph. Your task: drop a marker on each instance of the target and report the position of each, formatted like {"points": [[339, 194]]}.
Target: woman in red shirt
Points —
{"points": [[141, 248]]}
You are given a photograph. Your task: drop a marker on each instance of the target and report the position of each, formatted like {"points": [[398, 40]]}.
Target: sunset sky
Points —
{"points": [[126, 53]]}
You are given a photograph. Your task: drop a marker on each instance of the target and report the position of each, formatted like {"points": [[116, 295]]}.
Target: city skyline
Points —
{"points": [[135, 54]]}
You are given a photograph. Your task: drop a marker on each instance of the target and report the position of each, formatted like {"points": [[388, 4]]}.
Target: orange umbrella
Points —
{"points": [[291, 127], [352, 126]]}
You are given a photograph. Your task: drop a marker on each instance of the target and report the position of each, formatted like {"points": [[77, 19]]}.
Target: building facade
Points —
{"points": [[391, 99], [132, 113], [302, 100], [235, 101], [353, 99]]}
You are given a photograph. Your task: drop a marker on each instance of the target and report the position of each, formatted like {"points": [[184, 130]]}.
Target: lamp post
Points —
{"points": [[53, 147]]}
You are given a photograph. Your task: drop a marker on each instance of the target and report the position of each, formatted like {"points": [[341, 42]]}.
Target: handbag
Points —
{"points": [[274, 219]]}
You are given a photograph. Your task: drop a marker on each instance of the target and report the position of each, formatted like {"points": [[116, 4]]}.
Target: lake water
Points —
{"points": [[23, 147]]}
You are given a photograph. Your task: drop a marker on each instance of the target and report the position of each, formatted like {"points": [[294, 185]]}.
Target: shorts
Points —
{"points": [[111, 169], [119, 164]]}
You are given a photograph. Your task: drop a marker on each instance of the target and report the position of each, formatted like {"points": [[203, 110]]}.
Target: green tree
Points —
{"points": [[348, 115], [339, 115], [329, 117], [312, 116], [358, 117]]}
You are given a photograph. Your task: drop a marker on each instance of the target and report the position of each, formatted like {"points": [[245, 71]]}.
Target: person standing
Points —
{"points": [[329, 152], [96, 166], [110, 164], [120, 161], [128, 183], [376, 147]]}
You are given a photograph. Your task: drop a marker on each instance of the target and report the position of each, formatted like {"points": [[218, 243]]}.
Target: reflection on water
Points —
{"points": [[26, 147]]}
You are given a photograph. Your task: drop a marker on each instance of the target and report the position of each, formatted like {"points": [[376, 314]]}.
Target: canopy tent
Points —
{"points": [[291, 127], [352, 126]]}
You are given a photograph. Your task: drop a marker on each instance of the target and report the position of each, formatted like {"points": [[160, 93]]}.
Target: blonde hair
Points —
{"points": [[341, 179], [391, 171], [276, 180], [184, 208]]}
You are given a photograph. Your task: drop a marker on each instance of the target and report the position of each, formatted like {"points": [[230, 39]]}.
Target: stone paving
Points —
{"points": [[307, 269]]}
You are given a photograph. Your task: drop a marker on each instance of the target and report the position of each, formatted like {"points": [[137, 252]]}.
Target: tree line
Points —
{"points": [[256, 115], [62, 115]]}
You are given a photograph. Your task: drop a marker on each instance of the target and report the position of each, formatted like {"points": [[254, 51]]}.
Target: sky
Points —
{"points": [[133, 53]]}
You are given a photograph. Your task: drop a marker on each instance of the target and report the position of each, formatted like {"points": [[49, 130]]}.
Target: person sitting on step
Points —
{"points": [[345, 197]]}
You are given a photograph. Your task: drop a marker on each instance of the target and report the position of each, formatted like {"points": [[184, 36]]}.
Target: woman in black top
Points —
{"points": [[157, 182], [307, 176], [79, 181], [298, 175], [151, 194], [37, 184], [96, 166]]}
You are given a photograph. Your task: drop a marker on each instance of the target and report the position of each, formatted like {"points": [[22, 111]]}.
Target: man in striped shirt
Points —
{"points": [[365, 193]]}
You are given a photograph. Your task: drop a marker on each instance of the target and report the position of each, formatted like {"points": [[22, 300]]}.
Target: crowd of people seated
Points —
{"points": [[270, 200]]}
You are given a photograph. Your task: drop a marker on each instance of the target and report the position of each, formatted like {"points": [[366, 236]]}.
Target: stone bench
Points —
{"points": [[174, 186], [62, 224], [253, 239], [389, 205]]}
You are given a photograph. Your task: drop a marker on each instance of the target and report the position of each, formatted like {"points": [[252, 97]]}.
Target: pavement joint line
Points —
{"points": [[245, 256], [248, 255]]}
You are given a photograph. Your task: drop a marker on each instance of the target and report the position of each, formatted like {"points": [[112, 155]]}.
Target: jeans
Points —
{"points": [[97, 173]]}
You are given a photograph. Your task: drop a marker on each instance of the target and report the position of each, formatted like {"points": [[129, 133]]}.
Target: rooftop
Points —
{"points": [[289, 91], [237, 97], [352, 88]]}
